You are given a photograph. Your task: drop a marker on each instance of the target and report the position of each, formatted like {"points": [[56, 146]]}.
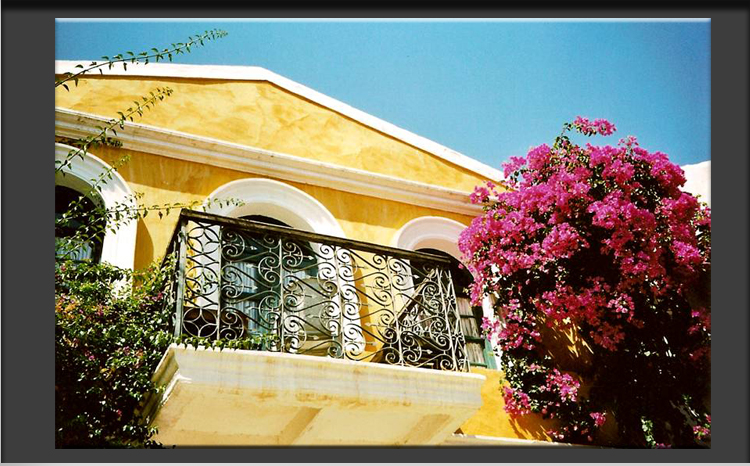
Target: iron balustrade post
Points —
{"points": [[451, 306], [181, 260], [282, 305]]}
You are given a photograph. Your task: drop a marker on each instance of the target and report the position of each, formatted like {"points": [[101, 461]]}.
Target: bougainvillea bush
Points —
{"points": [[109, 338], [600, 243]]}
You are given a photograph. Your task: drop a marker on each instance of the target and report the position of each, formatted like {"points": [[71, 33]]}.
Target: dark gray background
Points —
{"points": [[27, 244]]}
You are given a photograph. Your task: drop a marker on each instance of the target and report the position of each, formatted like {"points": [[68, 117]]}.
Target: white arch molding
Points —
{"points": [[278, 200], [430, 232], [118, 247]]}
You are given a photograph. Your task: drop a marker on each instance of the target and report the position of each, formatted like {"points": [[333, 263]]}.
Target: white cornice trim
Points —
{"points": [[254, 73], [183, 146]]}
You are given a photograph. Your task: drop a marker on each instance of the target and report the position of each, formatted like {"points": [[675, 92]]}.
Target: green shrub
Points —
{"points": [[111, 329]]}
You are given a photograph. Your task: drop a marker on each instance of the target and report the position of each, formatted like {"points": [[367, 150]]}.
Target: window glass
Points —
{"points": [[82, 250], [258, 292]]}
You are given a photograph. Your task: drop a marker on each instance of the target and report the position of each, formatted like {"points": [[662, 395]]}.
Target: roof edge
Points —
{"points": [[255, 73]]}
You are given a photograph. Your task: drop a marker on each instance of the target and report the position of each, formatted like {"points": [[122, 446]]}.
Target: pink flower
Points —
{"points": [[701, 432], [628, 142], [517, 403], [599, 418], [562, 384], [598, 126], [480, 195], [514, 165]]}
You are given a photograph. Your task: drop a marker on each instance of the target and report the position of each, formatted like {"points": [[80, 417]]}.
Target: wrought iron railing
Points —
{"points": [[306, 293]]}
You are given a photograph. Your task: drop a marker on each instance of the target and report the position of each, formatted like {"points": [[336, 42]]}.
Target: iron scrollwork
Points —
{"points": [[305, 293]]}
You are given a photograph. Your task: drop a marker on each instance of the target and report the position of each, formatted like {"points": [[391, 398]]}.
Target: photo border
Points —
{"points": [[27, 329]]}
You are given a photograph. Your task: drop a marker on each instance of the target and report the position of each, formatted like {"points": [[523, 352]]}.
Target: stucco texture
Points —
{"points": [[491, 420], [163, 180], [262, 115]]}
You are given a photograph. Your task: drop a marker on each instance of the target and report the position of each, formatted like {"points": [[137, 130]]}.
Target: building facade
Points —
{"points": [[338, 251]]}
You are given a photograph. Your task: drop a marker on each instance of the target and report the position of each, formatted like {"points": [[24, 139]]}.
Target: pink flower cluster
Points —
{"points": [[566, 305], [517, 403], [594, 237], [517, 331], [598, 126], [562, 384], [568, 195], [568, 430], [561, 242], [599, 418], [680, 214], [608, 335], [702, 433], [480, 195], [702, 317]]}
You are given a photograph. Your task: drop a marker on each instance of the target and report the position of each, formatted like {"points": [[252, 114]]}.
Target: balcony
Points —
{"points": [[303, 293], [343, 333]]}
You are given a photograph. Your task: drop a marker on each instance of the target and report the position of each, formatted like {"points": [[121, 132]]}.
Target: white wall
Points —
{"points": [[699, 180]]}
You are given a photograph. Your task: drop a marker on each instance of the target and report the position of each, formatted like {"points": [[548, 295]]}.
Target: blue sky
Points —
{"points": [[487, 89]]}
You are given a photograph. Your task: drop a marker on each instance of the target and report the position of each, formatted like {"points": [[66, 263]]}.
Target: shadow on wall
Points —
{"points": [[566, 348], [492, 420], [144, 250], [532, 426]]}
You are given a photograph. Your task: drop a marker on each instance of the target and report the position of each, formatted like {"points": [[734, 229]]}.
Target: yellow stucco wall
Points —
{"points": [[262, 115], [491, 420], [163, 180]]}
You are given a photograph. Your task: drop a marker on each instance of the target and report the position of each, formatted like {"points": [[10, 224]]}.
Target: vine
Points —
{"points": [[143, 57], [109, 337]]}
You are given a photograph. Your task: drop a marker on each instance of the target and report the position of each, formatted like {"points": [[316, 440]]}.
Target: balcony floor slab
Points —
{"points": [[242, 398]]}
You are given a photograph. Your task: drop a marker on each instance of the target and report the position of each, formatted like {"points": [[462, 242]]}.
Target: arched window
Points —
{"points": [[246, 281], [439, 235], [478, 349], [261, 290], [116, 247], [66, 244], [277, 200]]}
